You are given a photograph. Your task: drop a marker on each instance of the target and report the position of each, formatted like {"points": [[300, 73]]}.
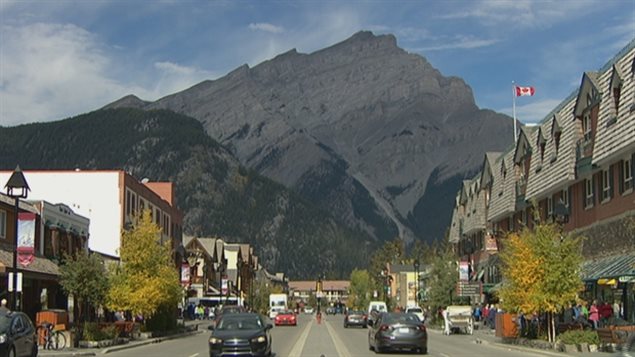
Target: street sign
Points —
{"points": [[469, 289]]}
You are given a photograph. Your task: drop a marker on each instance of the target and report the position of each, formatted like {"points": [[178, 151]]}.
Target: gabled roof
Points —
{"points": [[589, 93], [523, 147], [487, 168]]}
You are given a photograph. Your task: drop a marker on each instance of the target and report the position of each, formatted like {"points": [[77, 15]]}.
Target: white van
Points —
{"points": [[378, 306]]}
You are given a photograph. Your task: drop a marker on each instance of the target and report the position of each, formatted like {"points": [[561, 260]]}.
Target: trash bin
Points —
{"points": [[506, 325]]}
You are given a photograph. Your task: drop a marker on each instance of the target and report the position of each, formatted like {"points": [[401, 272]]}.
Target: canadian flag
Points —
{"points": [[523, 91]]}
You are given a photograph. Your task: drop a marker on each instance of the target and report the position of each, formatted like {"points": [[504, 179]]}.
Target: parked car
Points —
{"points": [[355, 318], [416, 310], [240, 334], [397, 331], [17, 335], [308, 310]]}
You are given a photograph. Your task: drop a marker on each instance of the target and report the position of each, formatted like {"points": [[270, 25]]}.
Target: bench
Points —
{"points": [[125, 328], [613, 334], [564, 327]]}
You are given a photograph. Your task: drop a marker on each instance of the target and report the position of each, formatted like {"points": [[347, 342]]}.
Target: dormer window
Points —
{"points": [[587, 126]]}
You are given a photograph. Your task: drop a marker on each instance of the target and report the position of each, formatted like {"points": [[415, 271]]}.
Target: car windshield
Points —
{"points": [[399, 318], [245, 323], [5, 322], [285, 312]]}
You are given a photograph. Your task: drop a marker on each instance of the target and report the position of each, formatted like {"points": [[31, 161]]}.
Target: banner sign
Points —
{"points": [[224, 285], [185, 273], [469, 289], [464, 271], [26, 238]]}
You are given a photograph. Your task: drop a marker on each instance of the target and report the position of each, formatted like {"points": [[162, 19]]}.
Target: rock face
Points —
{"points": [[358, 128]]}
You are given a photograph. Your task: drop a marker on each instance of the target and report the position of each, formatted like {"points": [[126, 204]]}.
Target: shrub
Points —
{"points": [[92, 332], [575, 337]]}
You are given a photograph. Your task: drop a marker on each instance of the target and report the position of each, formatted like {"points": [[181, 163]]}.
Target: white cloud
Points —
{"points": [[266, 27], [533, 112], [521, 13], [52, 71], [459, 42]]}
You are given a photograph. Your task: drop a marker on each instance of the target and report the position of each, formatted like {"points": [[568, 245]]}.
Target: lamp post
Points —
{"points": [[416, 266], [16, 188]]}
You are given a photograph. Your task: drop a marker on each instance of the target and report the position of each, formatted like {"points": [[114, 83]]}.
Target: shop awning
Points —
{"points": [[620, 267], [39, 265]]}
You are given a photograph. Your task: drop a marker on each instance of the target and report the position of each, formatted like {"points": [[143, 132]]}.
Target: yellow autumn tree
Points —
{"points": [[147, 279], [541, 271], [522, 270]]}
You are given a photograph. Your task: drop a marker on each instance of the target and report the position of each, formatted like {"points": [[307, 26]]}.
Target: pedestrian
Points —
{"points": [[594, 314], [446, 321], [477, 313], [486, 314], [617, 309], [3, 306], [606, 312], [492, 317]]}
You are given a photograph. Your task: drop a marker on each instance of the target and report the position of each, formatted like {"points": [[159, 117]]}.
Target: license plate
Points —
{"points": [[404, 330]]}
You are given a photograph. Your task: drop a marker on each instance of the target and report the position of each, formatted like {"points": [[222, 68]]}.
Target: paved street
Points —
{"points": [[331, 339]]}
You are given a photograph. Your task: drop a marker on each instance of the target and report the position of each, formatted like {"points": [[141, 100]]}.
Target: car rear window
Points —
{"points": [[392, 318], [414, 309]]}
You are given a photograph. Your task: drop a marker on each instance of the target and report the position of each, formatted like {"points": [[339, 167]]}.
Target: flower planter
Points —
{"points": [[96, 344], [584, 347]]}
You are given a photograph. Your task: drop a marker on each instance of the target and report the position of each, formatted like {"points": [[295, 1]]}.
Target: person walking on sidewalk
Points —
{"points": [[594, 314]]}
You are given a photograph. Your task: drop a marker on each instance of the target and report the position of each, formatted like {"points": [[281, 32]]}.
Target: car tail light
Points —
{"points": [[385, 327], [422, 328]]}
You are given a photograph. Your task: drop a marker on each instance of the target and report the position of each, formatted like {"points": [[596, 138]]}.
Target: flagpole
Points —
{"points": [[514, 109]]}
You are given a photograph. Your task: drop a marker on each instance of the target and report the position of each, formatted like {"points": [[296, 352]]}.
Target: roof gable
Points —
{"points": [[588, 95], [523, 148]]}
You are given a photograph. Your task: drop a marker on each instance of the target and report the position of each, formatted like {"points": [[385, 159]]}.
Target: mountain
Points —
{"points": [[218, 196], [363, 129]]}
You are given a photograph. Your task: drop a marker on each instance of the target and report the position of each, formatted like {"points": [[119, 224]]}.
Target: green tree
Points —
{"points": [[83, 276], [360, 289], [541, 271], [444, 275], [147, 279]]}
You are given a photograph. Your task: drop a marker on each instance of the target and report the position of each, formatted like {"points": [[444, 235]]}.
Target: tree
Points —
{"points": [[541, 272], [444, 275], [83, 276], [359, 290], [147, 279]]}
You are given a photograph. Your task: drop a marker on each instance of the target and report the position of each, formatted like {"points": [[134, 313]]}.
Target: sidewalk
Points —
{"points": [[485, 335], [197, 326]]}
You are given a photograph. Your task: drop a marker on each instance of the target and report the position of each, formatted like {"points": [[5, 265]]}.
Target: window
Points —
{"points": [[3, 224], [588, 193], [134, 203], [586, 126], [627, 177], [128, 202], [606, 185], [549, 207], [565, 197], [157, 217]]}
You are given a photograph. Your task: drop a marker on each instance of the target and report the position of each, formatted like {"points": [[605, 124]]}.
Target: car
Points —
{"points": [[228, 309], [355, 318], [273, 312], [375, 308], [416, 310], [397, 331], [240, 334], [17, 335], [308, 310], [285, 317]]}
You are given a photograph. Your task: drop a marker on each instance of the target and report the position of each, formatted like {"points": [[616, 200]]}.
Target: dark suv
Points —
{"points": [[17, 335]]}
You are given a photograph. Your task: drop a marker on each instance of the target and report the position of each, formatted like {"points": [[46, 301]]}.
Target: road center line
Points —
{"points": [[341, 349], [296, 351], [194, 355]]}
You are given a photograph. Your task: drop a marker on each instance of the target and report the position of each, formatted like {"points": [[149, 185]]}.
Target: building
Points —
{"points": [[575, 167], [110, 199]]}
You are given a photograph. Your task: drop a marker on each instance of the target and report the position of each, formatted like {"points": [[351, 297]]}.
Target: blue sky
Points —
{"points": [[63, 58]]}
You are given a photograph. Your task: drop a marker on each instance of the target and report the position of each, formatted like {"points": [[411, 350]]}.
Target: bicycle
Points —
{"points": [[53, 339]]}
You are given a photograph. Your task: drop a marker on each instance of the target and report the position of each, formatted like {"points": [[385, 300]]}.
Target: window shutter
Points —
{"points": [[583, 190], [620, 181], [611, 181]]}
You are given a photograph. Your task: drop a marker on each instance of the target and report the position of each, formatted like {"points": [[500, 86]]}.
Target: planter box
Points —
{"points": [[584, 347], [571, 348]]}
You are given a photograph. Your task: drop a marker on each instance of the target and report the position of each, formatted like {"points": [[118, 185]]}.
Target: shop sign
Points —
{"points": [[26, 238], [464, 271], [627, 279], [469, 289], [490, 243]]}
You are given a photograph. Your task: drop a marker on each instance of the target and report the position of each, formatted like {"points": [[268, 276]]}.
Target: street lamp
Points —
{"points": [[16, 188], [416, 266]]}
